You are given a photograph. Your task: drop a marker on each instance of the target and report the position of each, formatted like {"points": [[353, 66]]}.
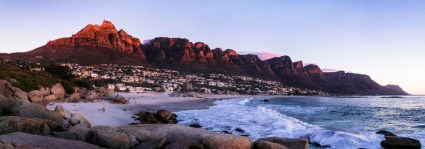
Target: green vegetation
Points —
{"points": [[25, 79], [21, 76]]}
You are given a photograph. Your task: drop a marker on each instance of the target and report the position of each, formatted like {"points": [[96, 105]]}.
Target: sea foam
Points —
{"points": [[240, 117]]}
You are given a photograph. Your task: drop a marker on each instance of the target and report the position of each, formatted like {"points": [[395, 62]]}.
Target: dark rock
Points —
{"points": [[319, 145], [10, 124], [288, 142], [147, 118], [195, 125], [118, 100], [35, 141], [240, 130], [226, 132], [108, 137], [385, 133], [161, 116], [393, 142], [266, 100]]}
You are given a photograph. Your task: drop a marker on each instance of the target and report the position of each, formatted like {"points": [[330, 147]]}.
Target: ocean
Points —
{"points": [[341, 123]]}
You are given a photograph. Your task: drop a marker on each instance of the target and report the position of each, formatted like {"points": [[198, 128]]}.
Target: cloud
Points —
{"points": [[329, 70], [263, 55]]}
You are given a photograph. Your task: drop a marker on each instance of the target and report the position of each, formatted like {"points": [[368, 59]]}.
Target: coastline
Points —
{"points": [[103, 112]]}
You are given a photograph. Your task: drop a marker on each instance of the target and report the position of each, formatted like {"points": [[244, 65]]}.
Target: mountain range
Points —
{"points": [[99, 44]]}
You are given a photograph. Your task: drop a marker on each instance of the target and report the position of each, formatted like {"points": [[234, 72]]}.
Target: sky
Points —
{"points": [[382, 38]]}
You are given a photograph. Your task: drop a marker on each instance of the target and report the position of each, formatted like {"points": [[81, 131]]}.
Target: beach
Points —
{"points": [[102, 112]]}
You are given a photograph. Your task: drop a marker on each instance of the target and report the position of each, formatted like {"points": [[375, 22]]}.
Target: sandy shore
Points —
{"points": [[105, 113]]}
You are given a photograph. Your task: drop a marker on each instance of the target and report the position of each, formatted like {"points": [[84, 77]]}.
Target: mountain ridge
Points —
{"points": [[96, 44]]}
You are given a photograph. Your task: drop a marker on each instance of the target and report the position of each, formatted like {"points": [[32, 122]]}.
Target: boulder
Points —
{"points": [[191, 137], [161, 116], [10, 124], [78, 119], [65, 113], [50, 98], [151, 144], [58, 91], [35, 96], [118, 100], [66, 135], [195, 125], [166, 116], [183, 144], [288, 142], [143, 138], [100, 91], [35, 141], [44, 91], [92, 95], [81, 132], [191, 94], [9, 91], [109, 137], [147, 118], [109, 92], [37, 111], [259, 144], [385, 133], [394, 142], [74, 97], [41, 94]]}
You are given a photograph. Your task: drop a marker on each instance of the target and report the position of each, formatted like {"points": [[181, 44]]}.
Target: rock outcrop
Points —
{"points": [[177, 136], [11, 124], [160, 117], [56, 92], [108, 137], [24, 140], [13, 94], [393, 141]]}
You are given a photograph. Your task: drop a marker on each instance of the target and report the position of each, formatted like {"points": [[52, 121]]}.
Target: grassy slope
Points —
{"points": [[25, 79]]}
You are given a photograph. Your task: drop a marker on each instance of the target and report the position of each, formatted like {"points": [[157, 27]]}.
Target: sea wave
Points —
{"points": [[241, 118]]}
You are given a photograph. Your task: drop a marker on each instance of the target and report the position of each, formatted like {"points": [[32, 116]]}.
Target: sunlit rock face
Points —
{"points": [[103, 36]]}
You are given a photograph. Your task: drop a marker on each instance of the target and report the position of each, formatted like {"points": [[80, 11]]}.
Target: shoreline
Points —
{"points": [[102, 112]]}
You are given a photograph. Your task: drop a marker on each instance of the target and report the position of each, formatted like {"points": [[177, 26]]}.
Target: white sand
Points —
{"points": [[121, 115]]}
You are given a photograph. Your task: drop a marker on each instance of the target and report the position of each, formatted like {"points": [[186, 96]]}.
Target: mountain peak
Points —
{"points": [[107, 24]]}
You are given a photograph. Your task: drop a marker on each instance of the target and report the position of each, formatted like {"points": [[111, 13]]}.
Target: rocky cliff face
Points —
{"points": [[93, 44], [395, 88], [96, 44]]}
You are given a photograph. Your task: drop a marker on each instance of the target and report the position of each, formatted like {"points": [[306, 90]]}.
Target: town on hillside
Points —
{"points": [[138, 79]]}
